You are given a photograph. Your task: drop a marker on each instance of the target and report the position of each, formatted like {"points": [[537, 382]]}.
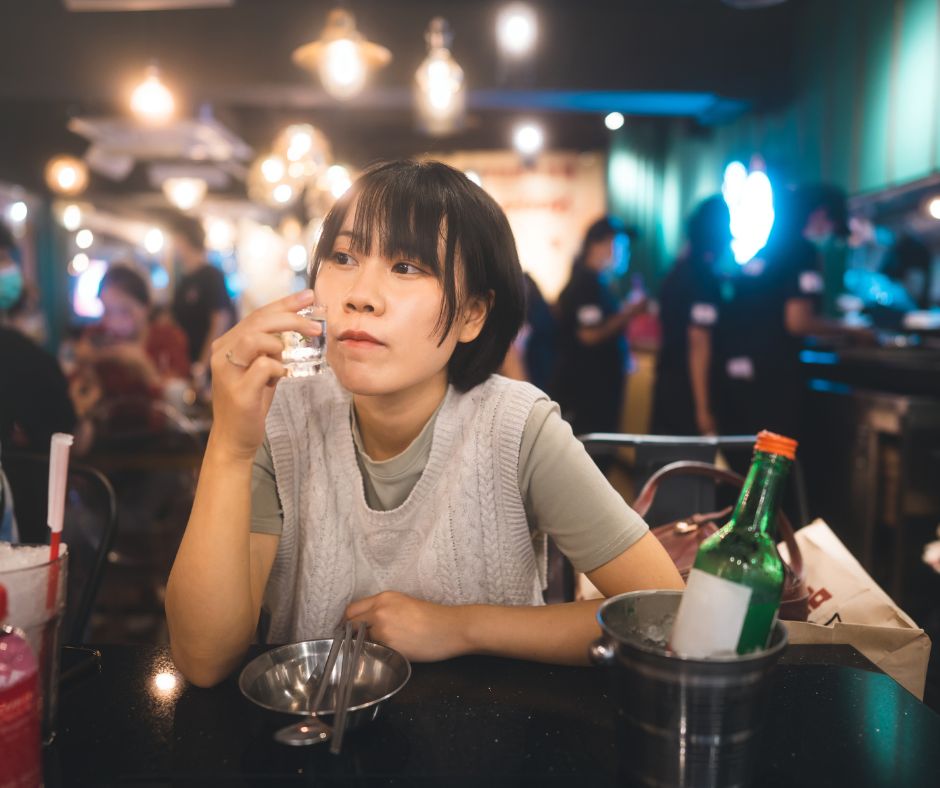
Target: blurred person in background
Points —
{"points": [[201, 304], [125, 359], [34, 399], [592, 346], [909, 263], [772, 303], [689, 300]]}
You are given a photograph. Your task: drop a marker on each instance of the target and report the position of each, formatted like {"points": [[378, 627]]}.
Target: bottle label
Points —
{"points": [[711, 616]]}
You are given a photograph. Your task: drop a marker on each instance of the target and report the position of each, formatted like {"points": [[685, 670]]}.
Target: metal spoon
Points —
{"points": [[312, 730]]}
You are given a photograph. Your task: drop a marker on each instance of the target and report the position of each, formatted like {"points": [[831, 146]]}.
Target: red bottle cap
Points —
{"points": [[772, 443]]}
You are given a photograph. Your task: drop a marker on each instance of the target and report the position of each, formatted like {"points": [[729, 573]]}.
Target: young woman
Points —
{"points": [[403, 487]]}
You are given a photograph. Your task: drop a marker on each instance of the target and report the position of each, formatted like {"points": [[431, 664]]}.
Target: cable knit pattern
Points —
{"points": [[461, 536]]}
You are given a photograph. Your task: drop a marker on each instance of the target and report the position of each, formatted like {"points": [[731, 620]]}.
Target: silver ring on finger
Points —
{"points": [[230, 358]]}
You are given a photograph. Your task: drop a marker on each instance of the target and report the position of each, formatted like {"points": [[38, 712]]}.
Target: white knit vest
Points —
{"points": [[461, 536]]}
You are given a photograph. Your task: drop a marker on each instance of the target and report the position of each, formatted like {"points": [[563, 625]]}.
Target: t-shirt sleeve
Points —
{"points": [[266, 514], [216, 293], [568, 498]]}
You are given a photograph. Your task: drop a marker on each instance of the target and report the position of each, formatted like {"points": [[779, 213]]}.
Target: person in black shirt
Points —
{"points": [[201, 305], [593, 350], [34, 399], [769, 307], [688, 310]]}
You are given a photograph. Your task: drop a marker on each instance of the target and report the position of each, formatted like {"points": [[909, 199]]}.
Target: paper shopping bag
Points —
{"points": [[847, 606]]}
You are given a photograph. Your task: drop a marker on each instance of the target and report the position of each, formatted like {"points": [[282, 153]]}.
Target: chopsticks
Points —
{"points": [[347, 678]]}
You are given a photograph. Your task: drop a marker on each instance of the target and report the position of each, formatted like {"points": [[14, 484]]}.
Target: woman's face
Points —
{"points": [[124, 317], [382, 335]]}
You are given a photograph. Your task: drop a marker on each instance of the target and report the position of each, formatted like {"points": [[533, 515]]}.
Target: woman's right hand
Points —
{"points": [[246, 366]]}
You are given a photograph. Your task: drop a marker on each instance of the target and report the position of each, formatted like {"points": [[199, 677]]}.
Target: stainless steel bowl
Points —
{"points": [[278, 680]]}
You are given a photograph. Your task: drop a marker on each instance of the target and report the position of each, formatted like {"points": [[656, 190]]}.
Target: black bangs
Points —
{"points": [[403, 210], [429, 213]]}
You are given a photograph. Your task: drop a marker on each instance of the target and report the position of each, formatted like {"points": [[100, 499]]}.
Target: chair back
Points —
{"points": [[88, 528], [682, 495]]}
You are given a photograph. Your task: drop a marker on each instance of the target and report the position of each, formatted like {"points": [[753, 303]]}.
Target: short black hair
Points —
{"points": [[188, 228], [124, 278], [604, 228], [408, 207]]}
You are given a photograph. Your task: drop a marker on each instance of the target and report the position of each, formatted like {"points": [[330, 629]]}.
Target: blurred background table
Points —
{"points": [[835, 721]]}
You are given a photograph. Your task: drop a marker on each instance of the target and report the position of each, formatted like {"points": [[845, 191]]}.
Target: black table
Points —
{"points": [[472, 721]]}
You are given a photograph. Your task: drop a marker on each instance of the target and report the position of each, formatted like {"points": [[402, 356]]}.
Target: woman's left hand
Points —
{"points": [[422, 631]]}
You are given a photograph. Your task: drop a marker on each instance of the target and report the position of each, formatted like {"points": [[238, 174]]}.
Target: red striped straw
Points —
{"points": [[58, 473]]}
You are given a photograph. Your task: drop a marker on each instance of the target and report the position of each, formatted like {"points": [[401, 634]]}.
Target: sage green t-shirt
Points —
{"points": [[564, 493]]}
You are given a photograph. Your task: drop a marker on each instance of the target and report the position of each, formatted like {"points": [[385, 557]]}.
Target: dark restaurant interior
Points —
{"points": [[765, 175]]}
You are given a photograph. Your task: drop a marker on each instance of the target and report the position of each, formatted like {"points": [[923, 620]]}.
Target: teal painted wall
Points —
{"points": [[865, 114]]}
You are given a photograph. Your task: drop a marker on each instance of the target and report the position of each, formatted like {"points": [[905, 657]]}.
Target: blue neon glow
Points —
{"points": [[750, 200], [159, 277]]}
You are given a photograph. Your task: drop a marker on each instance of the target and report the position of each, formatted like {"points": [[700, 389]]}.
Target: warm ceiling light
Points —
{"points": [[272, 168], [282, 193], [67, 175], [153, 240], [614, 121], [440, 97], [17, 212], [933, 207], [528, 139], [79, 264], [151, 100], [220, 235], [72, 217], [516, 29], [184, 193], [341, 56], [338, 180], [84, 239], [297, 257]]}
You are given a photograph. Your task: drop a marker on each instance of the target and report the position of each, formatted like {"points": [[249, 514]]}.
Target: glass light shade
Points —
{"points": [[342, 57], [440, 96], [184, 193], [342, 69], [67, 175], [516, 29], [151, 100]]}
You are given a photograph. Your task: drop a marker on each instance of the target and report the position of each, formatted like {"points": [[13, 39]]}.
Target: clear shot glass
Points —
{"points": [[302, 355]]}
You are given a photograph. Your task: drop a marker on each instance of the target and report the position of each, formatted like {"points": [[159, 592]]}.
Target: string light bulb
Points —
{"points": [[440, 97], [342, 57], [151, 100]]}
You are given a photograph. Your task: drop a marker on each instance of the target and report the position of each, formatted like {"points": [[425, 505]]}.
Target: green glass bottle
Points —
{"points": [[731, 600]]}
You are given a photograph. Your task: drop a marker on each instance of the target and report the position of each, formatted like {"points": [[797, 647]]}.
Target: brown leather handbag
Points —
{"points": [[682, 537]]}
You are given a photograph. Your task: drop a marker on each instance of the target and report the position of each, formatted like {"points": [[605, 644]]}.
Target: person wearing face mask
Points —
{"points": [[771, 304], [688, 310], [593, 353], [34, 401]]}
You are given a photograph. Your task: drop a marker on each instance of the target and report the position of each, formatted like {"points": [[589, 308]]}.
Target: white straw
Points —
{"points": [[58, 472]]}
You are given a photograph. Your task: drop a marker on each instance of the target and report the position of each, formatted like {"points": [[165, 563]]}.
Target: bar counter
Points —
{"points": [[835, 721]]}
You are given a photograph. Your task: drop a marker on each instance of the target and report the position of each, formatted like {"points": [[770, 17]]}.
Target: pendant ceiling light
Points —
{"points": [[342, 56], [66, 175], [440, 97], [151, 100]]}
